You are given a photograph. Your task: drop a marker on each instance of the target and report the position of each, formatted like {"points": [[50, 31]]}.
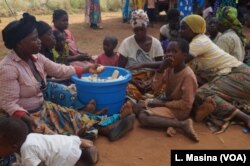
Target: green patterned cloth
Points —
{"points": [[230, 93], [227, 16]]}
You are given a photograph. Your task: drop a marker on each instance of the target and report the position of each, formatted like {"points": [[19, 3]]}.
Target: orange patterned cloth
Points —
{"points": [[140, 84]]}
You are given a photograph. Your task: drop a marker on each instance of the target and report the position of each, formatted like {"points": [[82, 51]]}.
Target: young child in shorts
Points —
{"points": [[109, 57], [36, 149], [173, 110]]}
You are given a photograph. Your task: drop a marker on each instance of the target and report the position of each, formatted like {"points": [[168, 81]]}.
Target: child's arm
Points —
{"points": [[188, 89], [80, 57], [122, 61]]}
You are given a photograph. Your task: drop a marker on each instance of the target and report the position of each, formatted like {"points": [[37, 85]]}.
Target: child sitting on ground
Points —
{"points": [[61, 52], [109, 57], [36, 149], [61, 49], [60, 21], [180, 86]]}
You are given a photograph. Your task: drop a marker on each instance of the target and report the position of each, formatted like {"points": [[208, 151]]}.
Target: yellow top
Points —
{"points": [[210, 61]]}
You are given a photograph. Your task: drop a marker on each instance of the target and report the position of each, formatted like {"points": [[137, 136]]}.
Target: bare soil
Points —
{"points": [[147, 147]]}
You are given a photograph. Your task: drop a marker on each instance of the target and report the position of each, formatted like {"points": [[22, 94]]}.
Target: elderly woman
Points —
{"points": [[212, 29], [23, 80], [226, 96], [232, 40], [140, 50]]}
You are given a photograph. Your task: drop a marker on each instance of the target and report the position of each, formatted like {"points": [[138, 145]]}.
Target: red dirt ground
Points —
{"points": [[141, 146]]}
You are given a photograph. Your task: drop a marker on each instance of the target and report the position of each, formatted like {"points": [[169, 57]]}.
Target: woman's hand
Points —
{"points": [[92, 68], [95, 69]]}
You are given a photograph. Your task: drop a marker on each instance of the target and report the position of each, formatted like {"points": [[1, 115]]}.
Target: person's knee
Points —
{"points": [[143, 118]]}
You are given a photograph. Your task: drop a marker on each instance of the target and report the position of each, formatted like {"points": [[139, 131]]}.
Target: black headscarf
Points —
{"points": [[15, 31]]}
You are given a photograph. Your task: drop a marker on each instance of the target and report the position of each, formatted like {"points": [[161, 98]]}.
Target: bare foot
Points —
{"points": [[205, 109], [86, 143], [138, 107], [188, 129], [126, 109], [171, 132]]}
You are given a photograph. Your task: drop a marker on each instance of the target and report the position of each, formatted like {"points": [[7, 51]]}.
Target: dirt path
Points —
{"points": [[152, 147], [141, 146]]}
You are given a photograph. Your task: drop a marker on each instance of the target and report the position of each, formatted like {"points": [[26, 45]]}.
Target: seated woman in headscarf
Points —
{"points": [[226, 96], [139, 51], [23, 80], [232, 40]]}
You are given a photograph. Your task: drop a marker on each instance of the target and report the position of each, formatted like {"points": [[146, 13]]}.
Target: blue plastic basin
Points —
{"points": [[109, 95]]}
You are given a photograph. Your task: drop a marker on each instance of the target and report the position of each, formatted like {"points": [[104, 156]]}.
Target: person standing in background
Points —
{"points": [[221, 3], [185, 7], [172, 4], [125, 11], [150, 8], [93, 13], [138, 4]]}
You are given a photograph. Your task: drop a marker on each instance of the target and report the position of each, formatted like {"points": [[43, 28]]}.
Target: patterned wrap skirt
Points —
{"points": [[230, 93]]}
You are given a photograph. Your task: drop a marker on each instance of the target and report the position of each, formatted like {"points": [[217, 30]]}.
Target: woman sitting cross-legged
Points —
{"points": [[23, 80], [138, 52]]}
